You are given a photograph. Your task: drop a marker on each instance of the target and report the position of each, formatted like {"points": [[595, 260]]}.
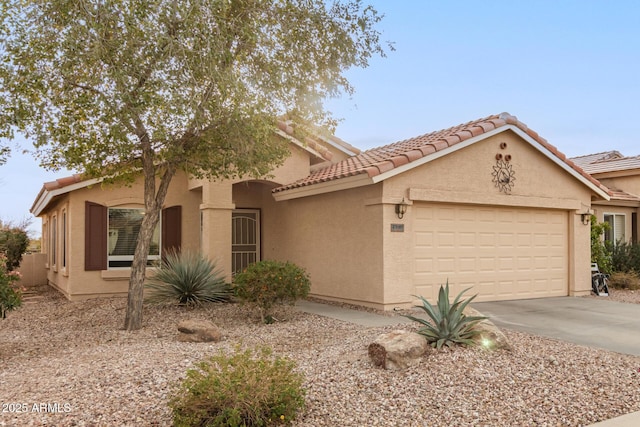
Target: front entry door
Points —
{"points": [[245, 238]]}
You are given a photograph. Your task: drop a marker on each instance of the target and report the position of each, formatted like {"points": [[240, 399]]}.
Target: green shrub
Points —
{"points": [[450, 325], [625, 257], [10, 295], [267, 283], [187, 278], [13, 243], [600, 251], [243, 389], [624, 280]]}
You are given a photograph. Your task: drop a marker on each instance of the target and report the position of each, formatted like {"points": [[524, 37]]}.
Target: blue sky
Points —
{"points": [[570, 70]]}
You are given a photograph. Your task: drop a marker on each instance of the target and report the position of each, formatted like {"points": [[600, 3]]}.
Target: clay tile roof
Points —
{"points": [[591, 158], [314, 135], [380, 160], [63, 182], [612, 164], [287, 128], [622, 195]]}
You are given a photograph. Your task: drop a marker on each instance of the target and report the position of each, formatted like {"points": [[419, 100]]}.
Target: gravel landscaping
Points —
{"points": [[70, 364]]}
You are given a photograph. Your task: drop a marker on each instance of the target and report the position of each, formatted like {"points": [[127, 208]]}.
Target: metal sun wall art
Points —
{"points": [[503, 173]]}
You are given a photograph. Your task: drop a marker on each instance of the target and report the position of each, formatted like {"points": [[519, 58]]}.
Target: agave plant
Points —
{"points": [[448, 325], [187, 278]]}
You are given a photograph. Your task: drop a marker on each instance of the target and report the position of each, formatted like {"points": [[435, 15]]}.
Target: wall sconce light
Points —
{"points": [[401, 208], [585, 216]]}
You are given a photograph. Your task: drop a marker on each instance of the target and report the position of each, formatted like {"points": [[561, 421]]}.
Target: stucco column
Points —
{"points": [[216, 209], [579, 256], [398, 253]]}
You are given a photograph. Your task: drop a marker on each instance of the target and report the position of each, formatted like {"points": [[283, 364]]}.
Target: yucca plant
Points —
{"points": [[450, 325], [187, 278]]}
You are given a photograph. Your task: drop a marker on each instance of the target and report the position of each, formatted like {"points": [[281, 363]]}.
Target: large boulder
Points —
{"points": [[397, 350], [197, 330], [490, 337]]}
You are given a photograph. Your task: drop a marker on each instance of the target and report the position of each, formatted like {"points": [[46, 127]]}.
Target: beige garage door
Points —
{"points": [[502, 253]]}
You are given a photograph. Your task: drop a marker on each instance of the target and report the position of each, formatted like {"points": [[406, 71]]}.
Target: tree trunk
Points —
{"points": [[153, 206], [133, 319]]}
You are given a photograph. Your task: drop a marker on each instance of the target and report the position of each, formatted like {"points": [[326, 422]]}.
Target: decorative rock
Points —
{"points": [[490, 337], [196, 330], [398, 350]]}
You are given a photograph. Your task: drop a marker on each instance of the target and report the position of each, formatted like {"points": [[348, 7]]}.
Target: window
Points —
{"points": [[45, 240], [616, 231], [54, 247], [123, 228], [110, 235], [64, 239]]}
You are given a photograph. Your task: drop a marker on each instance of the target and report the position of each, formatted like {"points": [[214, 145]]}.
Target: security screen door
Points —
{"points": [[245, 238]]}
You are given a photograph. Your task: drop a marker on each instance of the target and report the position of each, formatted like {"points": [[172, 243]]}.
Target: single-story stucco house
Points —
{"points": [[488, 204], [621, 174]]}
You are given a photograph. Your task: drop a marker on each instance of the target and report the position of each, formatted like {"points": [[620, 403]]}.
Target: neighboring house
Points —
{"points": [[488, 204], [622, 176]]}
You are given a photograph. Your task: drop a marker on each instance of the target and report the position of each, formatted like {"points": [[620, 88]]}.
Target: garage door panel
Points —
{"points": [[486, 240], [503, 253], [467, 265], [467, 240], [424, 239], [446, 240], [487, 264], [506, 240], [506, 264]]}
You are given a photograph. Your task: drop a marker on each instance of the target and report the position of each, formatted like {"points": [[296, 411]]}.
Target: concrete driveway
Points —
{"points": [[594, 322]]}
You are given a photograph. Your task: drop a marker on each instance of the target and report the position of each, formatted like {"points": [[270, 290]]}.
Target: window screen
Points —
{"points": [[124, 226], [616, 232]]}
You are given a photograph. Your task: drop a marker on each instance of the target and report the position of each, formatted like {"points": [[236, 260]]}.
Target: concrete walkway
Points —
{"points": [[586, 321], [362, 318]]}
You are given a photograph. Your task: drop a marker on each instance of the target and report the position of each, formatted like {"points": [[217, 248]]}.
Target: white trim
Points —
{"points": [[600, 192], [355, 181], [46, 196], [613, 226], [431, 157], [129, 257], [358, 181], [339, 147], [298, 143]]}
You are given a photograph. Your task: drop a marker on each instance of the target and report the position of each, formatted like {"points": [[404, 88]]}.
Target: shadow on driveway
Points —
{"points": [[594, 322]]}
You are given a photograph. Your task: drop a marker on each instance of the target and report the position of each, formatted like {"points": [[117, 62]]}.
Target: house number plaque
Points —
{"points": [[397, 228]]}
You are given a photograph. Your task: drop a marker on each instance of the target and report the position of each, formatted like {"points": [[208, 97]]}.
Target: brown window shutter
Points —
{"points": [[171, 228], [95, 237]]}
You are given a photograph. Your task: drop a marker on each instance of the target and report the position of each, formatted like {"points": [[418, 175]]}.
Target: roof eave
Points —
{"points": [[46, 196], [345, 183], [434, 156], [524, 135], [600, 192]]}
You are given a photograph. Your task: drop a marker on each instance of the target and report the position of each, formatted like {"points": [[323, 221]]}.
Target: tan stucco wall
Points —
{"points": [[295, 167], [629, 184], [220, 198], [611, 208], [32, 269], [74, 281], [465, 176], [343, 238], [337, 238]]}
